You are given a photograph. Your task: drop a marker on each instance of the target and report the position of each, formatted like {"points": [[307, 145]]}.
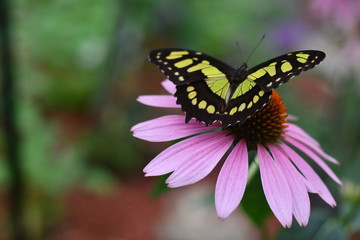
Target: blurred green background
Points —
{"points": [[80, 65]]}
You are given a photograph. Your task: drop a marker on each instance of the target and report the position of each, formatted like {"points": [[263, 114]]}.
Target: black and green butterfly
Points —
{"points": [[209, 90]]}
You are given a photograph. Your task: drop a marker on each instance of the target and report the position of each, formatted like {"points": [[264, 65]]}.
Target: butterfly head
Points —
{"points": [[240, 74], [243, 67]]}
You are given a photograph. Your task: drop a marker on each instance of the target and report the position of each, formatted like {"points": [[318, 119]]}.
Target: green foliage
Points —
{"points": [[347, 127], [62, 48], [160, 186], [321, 227], [254, 203], [111, 147]]}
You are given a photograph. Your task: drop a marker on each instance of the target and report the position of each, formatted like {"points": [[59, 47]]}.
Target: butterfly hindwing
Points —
{"points": [[245, 105], [208, 108], [274, 72], [197, 102]]}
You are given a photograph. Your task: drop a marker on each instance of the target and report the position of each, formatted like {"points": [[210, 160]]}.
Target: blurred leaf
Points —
{"points": [[347, 126], [160, 186], [254, 202], [62, 48], [111, 146], [99, 181], [48, 164], [321, 227]]}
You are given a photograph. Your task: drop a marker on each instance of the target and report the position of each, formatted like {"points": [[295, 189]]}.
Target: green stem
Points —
{"points": [[253, 169], [10, 129]]}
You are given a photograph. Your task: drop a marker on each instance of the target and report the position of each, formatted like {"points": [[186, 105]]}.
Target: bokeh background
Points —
{"points": [[78, 68]]}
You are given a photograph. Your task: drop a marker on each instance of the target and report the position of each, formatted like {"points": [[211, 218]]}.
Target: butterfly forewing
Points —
{"points": [[203, 82], [183, 66], [274, 72]]}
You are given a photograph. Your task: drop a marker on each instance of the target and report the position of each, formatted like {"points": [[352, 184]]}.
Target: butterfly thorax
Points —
{"points": [[238, 77], [240, 74]]}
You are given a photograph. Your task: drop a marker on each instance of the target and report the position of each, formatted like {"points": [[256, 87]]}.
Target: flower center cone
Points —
{"points": [[266, 126]]}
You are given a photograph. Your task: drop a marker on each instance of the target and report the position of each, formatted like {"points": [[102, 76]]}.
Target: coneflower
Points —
{"points": [[286, 177]]}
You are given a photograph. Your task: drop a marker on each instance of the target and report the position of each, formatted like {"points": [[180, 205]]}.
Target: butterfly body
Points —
{"points": [[238, 77], [210, 90]]}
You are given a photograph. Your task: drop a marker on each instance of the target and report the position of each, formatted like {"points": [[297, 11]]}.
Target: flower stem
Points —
{"points": [[253, 168]]}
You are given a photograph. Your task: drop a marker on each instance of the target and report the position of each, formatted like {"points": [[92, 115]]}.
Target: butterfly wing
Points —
{"points": [[183, 66], [203, 82], [253, 93], [274, 72]]}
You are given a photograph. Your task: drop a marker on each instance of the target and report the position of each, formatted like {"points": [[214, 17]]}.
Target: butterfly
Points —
{"points": [[210, 90]]}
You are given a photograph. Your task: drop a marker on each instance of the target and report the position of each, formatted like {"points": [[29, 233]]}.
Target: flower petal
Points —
{"points": [[174, 156], [169, 86], [299, 193], [169, 128], [292, 128], [310, 142], [314, 157], [200, 161], [292, 117], [165, 101], [231, 182], [276, 188], [309, 174]]}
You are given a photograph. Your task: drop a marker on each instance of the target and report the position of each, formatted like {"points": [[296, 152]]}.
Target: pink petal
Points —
{"points": [[310, 142], [314, 157], [177, 154], [292, 117], [169, 86], [292, 128], [309, 174], [200, 161], [299, 193], [231, 182], [169, 128], [165, 101], [276, 188]]}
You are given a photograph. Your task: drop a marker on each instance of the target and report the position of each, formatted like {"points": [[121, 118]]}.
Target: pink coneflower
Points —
{"points": [[344, 13], [286, 177]]}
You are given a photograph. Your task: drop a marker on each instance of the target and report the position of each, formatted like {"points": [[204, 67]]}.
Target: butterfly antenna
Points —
{"points": [[257, 45], [239, 50]]}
